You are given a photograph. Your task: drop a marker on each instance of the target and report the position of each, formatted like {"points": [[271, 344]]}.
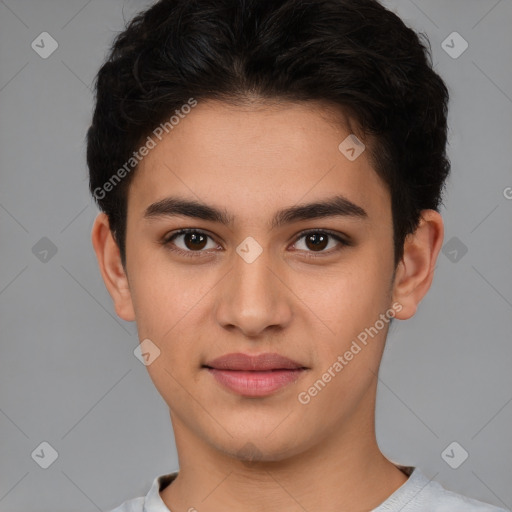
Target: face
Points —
{"points": [[307, 285]]}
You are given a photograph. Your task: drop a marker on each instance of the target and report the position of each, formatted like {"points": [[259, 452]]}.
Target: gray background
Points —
{"points": [[68, 375]]}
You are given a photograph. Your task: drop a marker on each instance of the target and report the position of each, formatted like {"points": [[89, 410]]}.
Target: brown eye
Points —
{"points": [[187, 241], [318, 241], [194, 241]]}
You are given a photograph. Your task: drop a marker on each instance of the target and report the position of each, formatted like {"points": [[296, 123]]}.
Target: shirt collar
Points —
{"points": [[153, 501]]}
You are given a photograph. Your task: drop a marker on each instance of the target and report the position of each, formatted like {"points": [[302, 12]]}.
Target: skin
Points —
{"points": [[252, 161]]}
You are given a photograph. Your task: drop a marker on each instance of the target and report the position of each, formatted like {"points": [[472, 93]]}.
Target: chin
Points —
{"points": [[261, 447]]}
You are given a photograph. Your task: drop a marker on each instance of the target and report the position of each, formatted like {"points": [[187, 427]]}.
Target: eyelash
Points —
{"points": [[308, 254]]}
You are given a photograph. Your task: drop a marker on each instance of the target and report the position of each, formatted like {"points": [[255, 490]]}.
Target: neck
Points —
{"points": [[345, 471]]}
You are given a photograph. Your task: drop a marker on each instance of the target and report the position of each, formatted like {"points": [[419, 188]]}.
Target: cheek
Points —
{"points": [[350, 352], [169, 304], [164, 295], [350, 300]]}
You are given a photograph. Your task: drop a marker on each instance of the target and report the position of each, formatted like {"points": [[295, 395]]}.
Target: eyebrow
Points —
{"points": [[337, 206]]}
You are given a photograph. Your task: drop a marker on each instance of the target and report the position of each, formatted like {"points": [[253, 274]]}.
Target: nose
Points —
{"points": [[254, 297]]}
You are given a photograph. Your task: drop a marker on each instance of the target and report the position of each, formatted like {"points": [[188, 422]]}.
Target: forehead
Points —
{"points": [[252, 159]]}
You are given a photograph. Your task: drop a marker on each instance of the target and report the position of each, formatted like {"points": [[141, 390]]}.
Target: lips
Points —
{"points": [[261, 362], [254, 376]]}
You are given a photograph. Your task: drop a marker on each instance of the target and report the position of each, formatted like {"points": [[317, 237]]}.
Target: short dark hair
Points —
{"points": [[355, 54]]}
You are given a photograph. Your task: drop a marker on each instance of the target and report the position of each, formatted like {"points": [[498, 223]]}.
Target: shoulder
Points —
{"points": [[152, 502], [428, 495], [133, 505], [449, 501]]}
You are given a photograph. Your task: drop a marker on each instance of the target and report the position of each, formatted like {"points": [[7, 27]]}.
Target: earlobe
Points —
{"points": [[415, 271], [111, 268]]}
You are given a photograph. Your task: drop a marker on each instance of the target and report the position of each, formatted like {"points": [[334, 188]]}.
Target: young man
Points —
{"points": [[269, 174]]}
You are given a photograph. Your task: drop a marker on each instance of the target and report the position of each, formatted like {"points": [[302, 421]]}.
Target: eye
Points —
{"points": [[317, 241], [190, 241], [193, 242]]}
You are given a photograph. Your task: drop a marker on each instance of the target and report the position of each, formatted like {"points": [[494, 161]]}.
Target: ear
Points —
{"points": [[415, 271], [111, 268]]}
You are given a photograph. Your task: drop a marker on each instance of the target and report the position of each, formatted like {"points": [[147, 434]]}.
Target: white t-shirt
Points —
{"points": [[417, 494]]}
